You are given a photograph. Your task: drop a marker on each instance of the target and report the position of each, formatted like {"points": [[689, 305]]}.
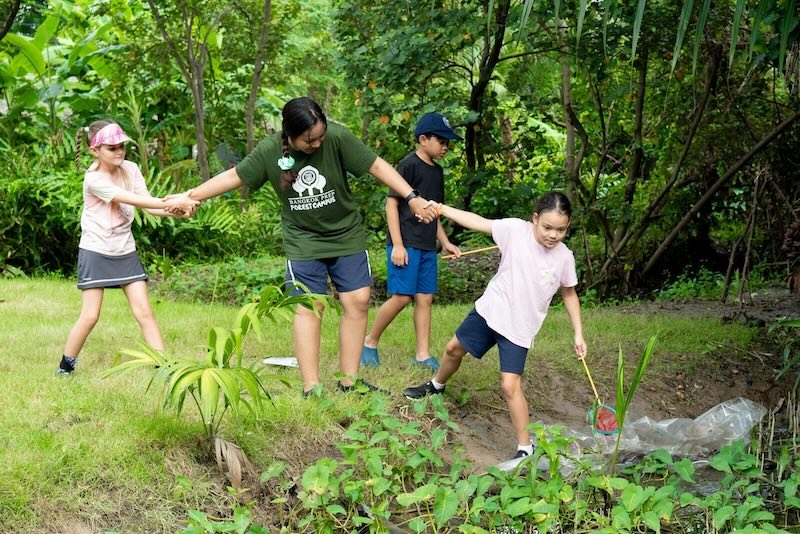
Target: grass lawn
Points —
{"points": [[84, 454]]}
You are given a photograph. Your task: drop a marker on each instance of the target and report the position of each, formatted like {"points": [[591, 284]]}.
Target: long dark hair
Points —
{"points": [[299, 115], [554, 201]]}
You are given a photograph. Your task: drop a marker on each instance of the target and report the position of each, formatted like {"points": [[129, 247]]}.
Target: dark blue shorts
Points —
{"points": [[477, 338], [419, 276], [347, 273]]}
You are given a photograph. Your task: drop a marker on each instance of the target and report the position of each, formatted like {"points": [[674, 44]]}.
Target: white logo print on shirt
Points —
{"points": [[308, 181]]}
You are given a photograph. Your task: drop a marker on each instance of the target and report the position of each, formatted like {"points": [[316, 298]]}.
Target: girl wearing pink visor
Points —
{"points": [[107, 258]]}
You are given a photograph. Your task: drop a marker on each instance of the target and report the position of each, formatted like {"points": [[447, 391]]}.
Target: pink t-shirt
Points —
{"points": [[105, 224], [516, 300]]}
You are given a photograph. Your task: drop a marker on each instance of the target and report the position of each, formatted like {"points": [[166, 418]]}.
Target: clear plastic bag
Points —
{"points": [[694, 438]]}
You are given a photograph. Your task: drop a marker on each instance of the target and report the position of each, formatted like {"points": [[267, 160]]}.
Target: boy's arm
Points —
{"points": [[399, 253], [467, 219], [447, 246], [573, 306]]}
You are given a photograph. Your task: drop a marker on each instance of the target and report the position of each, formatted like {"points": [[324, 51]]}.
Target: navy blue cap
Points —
{"points": [[436, 124]]}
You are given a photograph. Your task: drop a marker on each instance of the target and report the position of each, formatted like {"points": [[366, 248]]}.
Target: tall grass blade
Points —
{"points": [[737, 19], [699, 31], [581, 17], [788, 23], [620, 404], [640, 369], [683, 24], [755, 30], [526, 13], [637, 27], [608, 5], [556, 9]]}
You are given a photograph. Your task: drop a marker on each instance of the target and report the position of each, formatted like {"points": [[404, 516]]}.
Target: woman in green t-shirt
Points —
{"points": [[307, 164]]}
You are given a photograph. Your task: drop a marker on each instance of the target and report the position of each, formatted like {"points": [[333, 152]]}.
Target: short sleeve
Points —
{"points": [[252, 170], [569, 275], [99, 185], [356, 156]]}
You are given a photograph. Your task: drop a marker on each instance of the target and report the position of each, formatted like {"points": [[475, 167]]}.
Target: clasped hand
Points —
{"points": [[426, 210], [180, 204]]}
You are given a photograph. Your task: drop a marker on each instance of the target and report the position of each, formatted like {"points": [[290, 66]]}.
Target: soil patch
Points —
{"points": [[558, 398]]}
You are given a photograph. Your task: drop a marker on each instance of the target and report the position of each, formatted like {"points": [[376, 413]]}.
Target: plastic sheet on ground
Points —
{"points": [[694, 438]]}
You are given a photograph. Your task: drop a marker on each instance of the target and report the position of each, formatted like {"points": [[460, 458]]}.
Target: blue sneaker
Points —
{"points": [[369, 357], [430, 363]]}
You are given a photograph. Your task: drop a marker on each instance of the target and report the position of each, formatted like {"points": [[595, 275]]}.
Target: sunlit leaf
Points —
{"points": [[637, 27], [699, 32], [581, 16], [683, 24], [737, 19], [787, 25]]}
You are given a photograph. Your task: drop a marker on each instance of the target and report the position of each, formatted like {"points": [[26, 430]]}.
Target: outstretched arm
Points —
{"points": [[217, 185], [467, 219], [573, 306], [389, 176], [156, 206]]}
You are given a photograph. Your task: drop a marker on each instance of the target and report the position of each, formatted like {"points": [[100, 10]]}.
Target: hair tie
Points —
{"points": [[286, 163]]}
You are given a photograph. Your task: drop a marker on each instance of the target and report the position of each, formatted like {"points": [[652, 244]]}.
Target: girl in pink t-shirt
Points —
{"points": [[534, 265], [107, 257]]}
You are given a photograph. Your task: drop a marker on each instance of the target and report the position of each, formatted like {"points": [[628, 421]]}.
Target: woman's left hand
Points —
{"points": [[425, 210]]}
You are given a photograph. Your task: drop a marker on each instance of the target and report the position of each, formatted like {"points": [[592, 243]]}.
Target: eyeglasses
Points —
{"points": [[115, 148]]}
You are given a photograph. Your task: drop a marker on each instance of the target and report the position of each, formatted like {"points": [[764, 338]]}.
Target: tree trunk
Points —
{"points": [[192, 67], [635, 169], [634, 234], [255, 82], [9, 19], [778, 130]]}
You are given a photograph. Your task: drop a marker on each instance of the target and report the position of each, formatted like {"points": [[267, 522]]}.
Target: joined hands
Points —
{"points": [[180, 204]]}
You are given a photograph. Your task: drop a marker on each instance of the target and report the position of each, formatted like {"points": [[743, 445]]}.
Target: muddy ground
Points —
{"points": [[556, 398]]}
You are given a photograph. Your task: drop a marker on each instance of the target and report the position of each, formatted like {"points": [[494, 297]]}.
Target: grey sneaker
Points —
{"points": [[424, 390]]}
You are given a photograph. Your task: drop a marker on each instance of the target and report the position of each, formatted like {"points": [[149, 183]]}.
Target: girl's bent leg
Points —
{"points": [[306, 331], [91, 301], [451, 360], [352, 328], [511, 384], [143, 313]]}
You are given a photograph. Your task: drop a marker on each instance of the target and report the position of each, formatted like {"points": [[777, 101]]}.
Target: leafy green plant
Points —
{"points": [[624, 398], [220, 383]]}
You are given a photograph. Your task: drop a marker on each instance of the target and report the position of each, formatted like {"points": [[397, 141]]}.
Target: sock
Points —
{"points": [[436, 384], [528, 449]]}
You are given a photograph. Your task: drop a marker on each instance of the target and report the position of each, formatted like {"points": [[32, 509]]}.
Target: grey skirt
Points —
{"points": [[100, 270]]}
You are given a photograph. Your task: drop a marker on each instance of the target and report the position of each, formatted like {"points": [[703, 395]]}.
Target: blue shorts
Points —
{"points": [[419, 276], [477, 338], [347, 273]]}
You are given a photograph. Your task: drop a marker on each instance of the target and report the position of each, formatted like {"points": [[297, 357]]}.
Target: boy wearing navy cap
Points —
{"points": [[411, 259]]}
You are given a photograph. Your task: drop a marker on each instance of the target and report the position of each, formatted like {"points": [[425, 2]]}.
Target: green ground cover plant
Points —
{"points": [[103, 454]]}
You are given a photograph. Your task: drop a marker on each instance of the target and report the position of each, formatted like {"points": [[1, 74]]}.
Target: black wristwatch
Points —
{"points": [[413, 194]]}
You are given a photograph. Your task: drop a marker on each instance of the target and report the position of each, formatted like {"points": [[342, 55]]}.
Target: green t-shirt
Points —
{"points": [[319, 217]]}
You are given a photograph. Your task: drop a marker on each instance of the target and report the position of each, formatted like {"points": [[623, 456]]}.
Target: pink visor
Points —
{"points": [[110, 134]]}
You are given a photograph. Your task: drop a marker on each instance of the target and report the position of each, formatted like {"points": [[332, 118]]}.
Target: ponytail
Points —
{"points": [[287, 177], [78, 142]]}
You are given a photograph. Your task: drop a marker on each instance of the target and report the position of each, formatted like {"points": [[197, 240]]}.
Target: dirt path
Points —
{"points": [[556, 398]]}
